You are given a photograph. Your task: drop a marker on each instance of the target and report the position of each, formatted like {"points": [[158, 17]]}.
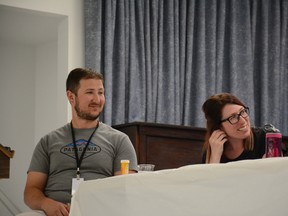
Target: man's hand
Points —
{"points": [[54, 208]]}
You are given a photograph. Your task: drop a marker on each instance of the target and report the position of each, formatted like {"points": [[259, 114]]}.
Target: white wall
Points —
{"points": [[17, 93], [32, 88], [46, 89]]}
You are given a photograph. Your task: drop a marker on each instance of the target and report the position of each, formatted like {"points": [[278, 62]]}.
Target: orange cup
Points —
{"points": [[125, 167]]}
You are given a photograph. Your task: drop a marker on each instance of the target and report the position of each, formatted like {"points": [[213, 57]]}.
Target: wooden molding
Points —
{"points": [[7, 152]]}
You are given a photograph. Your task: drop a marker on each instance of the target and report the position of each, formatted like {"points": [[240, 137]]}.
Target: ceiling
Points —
{"points": [[28, 26]]}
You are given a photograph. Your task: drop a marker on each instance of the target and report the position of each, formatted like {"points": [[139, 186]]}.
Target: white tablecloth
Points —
{"points": [[244, 188]]}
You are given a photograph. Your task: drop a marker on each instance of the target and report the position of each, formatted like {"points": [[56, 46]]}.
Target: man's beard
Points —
{"points": [[84, 115]]}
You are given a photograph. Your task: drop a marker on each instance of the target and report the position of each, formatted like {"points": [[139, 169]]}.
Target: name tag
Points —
{"points": [[75, 184]]}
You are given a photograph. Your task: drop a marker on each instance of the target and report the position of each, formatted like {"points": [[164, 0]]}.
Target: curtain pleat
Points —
{"points": [[161, 59]]}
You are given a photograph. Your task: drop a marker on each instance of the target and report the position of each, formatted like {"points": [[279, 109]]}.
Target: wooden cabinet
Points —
{"points": [[167, 146]]}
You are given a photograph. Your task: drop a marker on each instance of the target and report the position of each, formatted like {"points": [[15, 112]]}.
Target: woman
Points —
{"points": [[230, 136]]}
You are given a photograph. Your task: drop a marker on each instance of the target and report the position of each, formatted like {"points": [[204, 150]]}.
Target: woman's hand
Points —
{"points": [[216, 141]]}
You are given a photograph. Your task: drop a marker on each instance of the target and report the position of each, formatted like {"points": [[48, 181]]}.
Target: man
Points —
{"points": [[83, 149]]}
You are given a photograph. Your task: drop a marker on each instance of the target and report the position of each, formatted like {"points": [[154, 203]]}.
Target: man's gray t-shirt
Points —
{"points": [[55, 156]]}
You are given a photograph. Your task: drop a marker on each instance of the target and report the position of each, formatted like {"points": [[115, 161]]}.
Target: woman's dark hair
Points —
{"points": [[213, 107]]}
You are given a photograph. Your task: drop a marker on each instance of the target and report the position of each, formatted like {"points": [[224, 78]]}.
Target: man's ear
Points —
{"points": [[70, 97]]}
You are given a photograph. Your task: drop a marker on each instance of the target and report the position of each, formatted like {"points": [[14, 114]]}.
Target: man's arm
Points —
{"points": [[35, 198]]}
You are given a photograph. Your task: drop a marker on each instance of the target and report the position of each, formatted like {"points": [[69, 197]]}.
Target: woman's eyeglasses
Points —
{"points": [[233, 119]]}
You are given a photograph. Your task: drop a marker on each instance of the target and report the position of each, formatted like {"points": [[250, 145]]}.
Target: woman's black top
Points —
{"points": [[257, 152]]}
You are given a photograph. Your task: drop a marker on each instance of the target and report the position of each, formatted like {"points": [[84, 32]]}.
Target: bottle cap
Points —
{"points": [[277, 135], [125, 161]]}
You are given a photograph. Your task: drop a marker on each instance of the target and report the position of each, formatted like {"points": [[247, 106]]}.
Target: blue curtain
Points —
{"points": [[161, 59]]}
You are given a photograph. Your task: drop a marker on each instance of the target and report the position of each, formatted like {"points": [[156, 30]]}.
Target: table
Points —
{"points": [[250, 187]]}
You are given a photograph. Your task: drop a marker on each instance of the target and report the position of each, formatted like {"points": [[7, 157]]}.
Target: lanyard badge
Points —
{"points": [[76, 181]]}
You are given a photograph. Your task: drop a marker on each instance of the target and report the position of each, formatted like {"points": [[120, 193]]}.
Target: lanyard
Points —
{"points": [[79, 160]]}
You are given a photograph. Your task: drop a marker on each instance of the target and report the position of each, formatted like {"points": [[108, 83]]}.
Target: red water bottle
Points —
{"points": [[273, 145]]}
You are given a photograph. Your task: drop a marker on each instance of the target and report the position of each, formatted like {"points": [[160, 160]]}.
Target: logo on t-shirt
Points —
{"points": [[80, 144]]}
